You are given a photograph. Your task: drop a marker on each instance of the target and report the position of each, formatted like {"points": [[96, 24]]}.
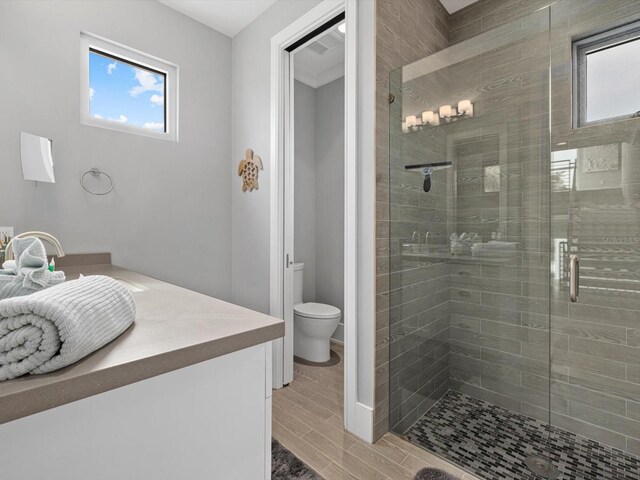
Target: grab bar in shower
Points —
{"points": [[574, 277]]}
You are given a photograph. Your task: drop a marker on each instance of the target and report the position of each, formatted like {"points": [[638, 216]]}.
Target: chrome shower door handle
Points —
{"points": [[574, 277]]}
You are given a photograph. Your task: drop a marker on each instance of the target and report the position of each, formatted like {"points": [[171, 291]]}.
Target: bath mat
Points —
{"points": [[434, 474], [334, 359], [286, 466]]}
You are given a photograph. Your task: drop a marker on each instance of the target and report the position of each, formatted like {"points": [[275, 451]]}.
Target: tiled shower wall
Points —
{"points": [[407, 30], [418, 285], [496, 314]]}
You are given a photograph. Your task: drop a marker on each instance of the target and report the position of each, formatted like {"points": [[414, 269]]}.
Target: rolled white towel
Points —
{"points": [[58, 326]]}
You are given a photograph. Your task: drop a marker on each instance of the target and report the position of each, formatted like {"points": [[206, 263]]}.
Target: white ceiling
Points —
{"points": [[321, 61], [455, 5], [225, 16], [231, 16]]}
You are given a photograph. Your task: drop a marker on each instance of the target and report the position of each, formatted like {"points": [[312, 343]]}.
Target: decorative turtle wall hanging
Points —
{"points": [[248, 169]]}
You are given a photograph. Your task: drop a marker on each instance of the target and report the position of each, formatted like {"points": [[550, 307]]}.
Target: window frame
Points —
{"points": [[92, 43], [584, 46]]}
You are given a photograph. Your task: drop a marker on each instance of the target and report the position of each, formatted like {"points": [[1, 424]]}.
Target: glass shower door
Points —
{"points": [[469, 285], [595, 232]]}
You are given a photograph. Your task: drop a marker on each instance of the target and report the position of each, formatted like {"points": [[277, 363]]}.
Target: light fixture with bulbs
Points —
{"points": [[445, 113], [342, 28]]}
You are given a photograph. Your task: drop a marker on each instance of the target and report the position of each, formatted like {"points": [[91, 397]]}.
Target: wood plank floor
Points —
{"points": [[308, 420]]}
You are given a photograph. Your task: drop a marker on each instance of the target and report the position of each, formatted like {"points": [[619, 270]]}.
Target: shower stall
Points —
{"points": [[514, 282]]}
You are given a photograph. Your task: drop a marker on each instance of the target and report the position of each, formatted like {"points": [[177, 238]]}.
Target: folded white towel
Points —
{"points": [[494, 249], [58, 326], [29, 272], [504, 245]]}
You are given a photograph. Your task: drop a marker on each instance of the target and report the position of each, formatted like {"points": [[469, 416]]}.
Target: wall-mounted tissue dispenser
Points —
{"points": [[37, 158]]}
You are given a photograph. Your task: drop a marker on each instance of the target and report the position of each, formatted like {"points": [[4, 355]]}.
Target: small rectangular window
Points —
{"points": [[606, 76], [127, 90]]}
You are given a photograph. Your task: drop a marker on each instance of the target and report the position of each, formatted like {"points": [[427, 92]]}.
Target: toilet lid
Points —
{"points": [[316, 310]]}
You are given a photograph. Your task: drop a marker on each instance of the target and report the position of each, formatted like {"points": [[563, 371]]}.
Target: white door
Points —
{"points": [[289, 201]]}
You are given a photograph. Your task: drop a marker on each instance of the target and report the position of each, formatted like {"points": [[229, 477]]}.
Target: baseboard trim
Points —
{"points": [[363, 425]]}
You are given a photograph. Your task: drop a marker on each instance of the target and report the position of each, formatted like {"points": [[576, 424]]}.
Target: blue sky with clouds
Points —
{"points": [[126, 94]]}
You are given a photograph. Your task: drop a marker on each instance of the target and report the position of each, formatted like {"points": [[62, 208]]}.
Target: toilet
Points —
{"points": [[313, 323]]}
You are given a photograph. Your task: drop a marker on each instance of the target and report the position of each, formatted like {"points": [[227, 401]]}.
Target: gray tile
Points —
{"points": [[633, 410], [487, 439], [633, 337], [595, 416], [599, 383], [485, 340], [486, 312], [588, 363], [589, 431], [515, 332], [633, 446], [589, 330], [605, 350], [517, 303]]}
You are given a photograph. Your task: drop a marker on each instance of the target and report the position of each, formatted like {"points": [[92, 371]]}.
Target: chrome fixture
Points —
{"points": [[47, 237], [96, 172], [542, 466], [446, 114], [574, 277]]}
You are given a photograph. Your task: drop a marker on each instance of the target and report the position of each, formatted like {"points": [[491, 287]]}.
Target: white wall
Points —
{"points": [[169, 215], [251, 122], [251, 115], [319, 192], [329, 159], [305, 186], [366, 120], [187, 238]]}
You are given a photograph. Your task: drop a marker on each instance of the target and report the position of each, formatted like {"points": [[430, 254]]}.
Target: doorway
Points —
{"points": [[314, 197], [358, 416]]}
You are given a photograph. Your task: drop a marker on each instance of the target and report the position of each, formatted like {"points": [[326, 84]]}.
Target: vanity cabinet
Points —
{"points": [[185, 394]]}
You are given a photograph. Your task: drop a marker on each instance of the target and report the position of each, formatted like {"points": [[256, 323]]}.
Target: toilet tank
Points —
{"points": [[298, 276]]}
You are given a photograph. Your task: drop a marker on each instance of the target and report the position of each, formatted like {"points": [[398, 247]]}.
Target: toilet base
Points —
{"points": [[311, 349], [334, 360]]}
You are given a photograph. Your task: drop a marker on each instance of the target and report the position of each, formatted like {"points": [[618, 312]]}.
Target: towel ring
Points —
{"points": [[96, 172]]}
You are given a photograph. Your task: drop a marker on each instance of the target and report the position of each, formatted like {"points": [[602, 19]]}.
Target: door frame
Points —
{"points": [[319, 15]]}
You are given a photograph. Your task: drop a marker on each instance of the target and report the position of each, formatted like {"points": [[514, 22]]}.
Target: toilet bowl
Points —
{"points": [[313, 324]]}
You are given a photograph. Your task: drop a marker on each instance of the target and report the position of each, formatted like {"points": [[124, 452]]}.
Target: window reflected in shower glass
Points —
{"points": [[492, 179], [563, 167], [607, 69]]}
